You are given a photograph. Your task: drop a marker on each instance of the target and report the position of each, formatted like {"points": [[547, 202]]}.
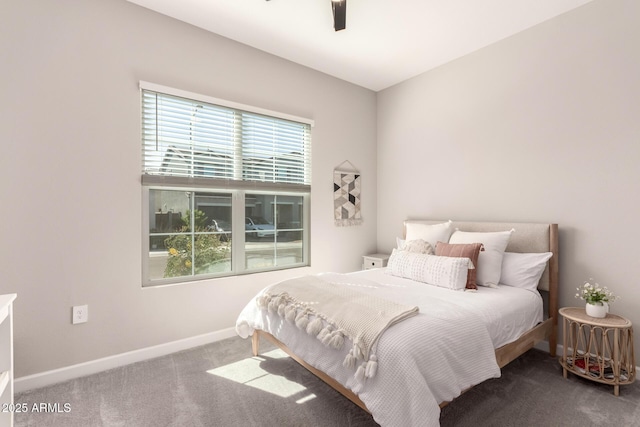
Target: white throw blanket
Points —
{"points": [[334, 309]]}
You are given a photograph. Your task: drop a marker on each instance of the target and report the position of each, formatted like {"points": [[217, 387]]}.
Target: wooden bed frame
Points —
{"points": [[534, 238]]}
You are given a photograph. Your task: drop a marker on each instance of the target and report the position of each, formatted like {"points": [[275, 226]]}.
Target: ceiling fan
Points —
{"points": [[339, 8]]}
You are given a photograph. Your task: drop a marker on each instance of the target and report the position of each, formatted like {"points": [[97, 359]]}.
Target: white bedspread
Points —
{"points": [[428, 359]]}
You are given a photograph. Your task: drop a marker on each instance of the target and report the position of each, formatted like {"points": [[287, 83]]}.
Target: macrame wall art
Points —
{"points": [[346, 195]]}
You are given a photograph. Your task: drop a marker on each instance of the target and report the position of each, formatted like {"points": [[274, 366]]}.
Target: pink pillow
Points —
{"points": [[467, 250]]}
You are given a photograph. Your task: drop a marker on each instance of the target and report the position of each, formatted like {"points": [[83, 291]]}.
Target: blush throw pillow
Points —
{"points": [[489, 266], [523, 270], [446, 272], [463, 250]]}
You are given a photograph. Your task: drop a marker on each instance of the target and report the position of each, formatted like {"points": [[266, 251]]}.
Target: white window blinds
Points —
{"points": [[192, 139]]}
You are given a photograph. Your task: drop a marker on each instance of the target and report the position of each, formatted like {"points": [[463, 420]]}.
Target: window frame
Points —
{"points": [[236, 188]]}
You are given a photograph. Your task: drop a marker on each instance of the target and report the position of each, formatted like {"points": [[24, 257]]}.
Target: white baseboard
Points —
{"points": [[43, 379]]}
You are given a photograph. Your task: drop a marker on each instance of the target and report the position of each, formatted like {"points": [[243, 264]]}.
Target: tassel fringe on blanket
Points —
{"points": [[323, 330], [361, 355]]}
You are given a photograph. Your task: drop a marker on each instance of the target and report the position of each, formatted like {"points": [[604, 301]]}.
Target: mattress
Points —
{"points": [[506, 311]]}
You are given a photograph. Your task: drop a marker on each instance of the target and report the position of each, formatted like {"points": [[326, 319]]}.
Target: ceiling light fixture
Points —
{"points": [[339, 8]]}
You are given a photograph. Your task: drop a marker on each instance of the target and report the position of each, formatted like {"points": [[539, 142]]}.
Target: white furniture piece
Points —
{"points": [[6, 359], [374, 261]]}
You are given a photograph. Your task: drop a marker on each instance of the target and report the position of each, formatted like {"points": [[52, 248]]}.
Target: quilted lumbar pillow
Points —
{"points": [[464, 250], [490, 260], [446, 272]]}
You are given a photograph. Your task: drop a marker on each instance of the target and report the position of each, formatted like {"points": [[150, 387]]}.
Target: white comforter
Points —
{"points": [[422, 361]]}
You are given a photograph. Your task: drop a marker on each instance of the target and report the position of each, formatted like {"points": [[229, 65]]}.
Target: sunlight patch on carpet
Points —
{"points": [[306, 399], [249, 372]]}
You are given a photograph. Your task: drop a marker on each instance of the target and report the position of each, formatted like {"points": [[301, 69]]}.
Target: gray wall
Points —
{"points": [[70, 172], [543, 126]]}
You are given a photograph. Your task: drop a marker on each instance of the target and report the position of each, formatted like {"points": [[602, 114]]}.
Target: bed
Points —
{"points": [[451, 342]]}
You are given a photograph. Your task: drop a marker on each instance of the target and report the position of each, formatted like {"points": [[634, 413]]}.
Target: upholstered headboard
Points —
{"points": [[528, 237]]}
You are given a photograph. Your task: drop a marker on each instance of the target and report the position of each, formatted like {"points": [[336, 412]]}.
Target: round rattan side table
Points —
{"points": [[599, 349]]}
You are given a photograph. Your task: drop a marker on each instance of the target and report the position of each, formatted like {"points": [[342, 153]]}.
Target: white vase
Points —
{"points": [[597, 310]]}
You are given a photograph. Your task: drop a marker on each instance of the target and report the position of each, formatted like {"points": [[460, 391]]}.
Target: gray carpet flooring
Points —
{"points": [[220, 384]]}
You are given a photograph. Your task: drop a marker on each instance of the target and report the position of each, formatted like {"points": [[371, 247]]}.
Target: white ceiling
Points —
{"points": [[385, 42]]}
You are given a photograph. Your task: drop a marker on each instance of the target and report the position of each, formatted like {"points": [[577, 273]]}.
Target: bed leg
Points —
{"points": [[255, 343], [553, 336]]}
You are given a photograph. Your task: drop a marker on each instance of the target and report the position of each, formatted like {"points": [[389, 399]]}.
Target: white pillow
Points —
{"points": [[419, 246], [432, 233], [523, 270], [443, 271], [489, 266]]}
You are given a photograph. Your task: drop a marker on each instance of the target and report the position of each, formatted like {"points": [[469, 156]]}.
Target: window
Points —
{"points": [[226, 188]]}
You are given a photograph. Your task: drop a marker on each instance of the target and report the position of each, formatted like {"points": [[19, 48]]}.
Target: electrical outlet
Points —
{"points": [[80, 314]]}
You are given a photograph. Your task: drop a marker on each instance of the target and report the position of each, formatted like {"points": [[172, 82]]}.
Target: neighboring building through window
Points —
{"points": [[226, 187]]}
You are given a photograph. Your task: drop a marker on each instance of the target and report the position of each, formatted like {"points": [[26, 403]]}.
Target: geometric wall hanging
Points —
{"points": [[346, 197]]}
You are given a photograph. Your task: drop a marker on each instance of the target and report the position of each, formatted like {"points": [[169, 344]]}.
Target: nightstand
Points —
{"points": [[598, 349], [374, 261]]}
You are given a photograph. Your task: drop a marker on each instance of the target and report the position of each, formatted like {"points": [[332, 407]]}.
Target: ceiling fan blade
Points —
{"points": [[339, 14]]}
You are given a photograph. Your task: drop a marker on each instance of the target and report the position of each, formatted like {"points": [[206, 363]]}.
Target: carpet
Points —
{"points": [[220, 384]]}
